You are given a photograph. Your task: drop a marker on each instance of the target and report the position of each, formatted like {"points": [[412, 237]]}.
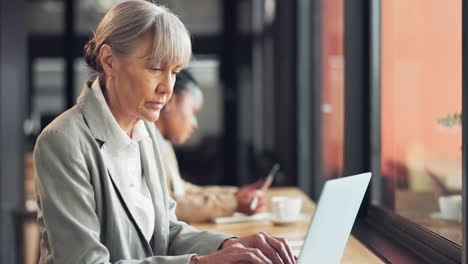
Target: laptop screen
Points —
{"points": [[333, 219]]}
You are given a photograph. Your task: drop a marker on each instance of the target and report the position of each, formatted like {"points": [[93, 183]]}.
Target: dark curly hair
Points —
{"points": [[185, 83]]}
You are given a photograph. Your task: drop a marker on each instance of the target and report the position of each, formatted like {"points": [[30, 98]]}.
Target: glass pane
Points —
{"points": [[333, 88], [48, 89], [202, 17], [421, 104], [90, 12], [45, 17]]}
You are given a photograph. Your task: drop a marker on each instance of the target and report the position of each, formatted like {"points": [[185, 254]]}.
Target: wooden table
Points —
{"points": [[355, 252]]}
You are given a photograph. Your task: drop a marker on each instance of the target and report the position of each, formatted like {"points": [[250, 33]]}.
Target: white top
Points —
{"points": [[128, 164]]}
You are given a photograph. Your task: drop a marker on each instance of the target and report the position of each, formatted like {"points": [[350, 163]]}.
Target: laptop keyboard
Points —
{"points": [[296, 246]]}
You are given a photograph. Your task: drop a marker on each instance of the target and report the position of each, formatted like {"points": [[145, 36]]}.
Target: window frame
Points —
{"points": [[393, 238], [465, 125], [377, 227]]}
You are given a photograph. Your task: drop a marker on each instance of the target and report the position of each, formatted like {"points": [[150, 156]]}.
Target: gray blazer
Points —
{"points": [[84, 214]]}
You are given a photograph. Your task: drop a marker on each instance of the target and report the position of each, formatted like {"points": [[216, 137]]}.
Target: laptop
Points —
{"points": [[333, 219]]}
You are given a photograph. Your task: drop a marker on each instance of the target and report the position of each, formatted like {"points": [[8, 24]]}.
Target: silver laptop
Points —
{"points": [[333, 219]]}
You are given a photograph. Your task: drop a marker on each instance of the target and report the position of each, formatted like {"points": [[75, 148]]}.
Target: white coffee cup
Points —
{"points": [[451, 207], [286, 208]]}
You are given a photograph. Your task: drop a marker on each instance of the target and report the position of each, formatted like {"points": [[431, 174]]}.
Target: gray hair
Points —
{"points": [[122, 26]]}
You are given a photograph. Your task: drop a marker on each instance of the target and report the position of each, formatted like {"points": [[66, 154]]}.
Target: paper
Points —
{"points": [[239, 217]]}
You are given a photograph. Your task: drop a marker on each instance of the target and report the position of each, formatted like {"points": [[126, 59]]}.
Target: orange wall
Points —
{"points": [[333, 87], [421, 77]]}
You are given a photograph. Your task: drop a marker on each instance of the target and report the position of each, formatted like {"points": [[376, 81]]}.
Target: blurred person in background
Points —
{"points": [[176, 124]]}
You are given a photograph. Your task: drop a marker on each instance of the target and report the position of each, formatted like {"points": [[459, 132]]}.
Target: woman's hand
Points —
{"points": [[276, 249], [234, 253], [244, 198], [246, 194], [253, 186], [256, 249]]}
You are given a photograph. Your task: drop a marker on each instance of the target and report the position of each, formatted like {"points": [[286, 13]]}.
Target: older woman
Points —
{"points": [[101, 196], [177, 123]]}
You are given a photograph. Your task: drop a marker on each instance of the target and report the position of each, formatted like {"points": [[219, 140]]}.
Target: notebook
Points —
{"points": [[240, 217]]}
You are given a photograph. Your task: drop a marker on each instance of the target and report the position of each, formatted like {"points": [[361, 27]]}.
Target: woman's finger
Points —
{"points": [[268, 250], [250, 255], [258, 183], [282, 249], [261, 207], [288, 248], [258, 254]]}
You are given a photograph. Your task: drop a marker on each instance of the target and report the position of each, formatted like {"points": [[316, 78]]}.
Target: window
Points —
{"points": [[333, 87], [48, 96], [391, 104], [45, 17], [421, 87], [202, 17]]}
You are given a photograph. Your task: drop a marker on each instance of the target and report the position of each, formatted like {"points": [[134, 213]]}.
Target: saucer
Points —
{"points": [[439, 215], [300, 218]]}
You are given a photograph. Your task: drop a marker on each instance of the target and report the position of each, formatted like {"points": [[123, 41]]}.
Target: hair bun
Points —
{"points": [[90, 54]]}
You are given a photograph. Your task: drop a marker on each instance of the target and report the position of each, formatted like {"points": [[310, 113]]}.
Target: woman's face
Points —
{"points": [[180, 117], [140, 90]]}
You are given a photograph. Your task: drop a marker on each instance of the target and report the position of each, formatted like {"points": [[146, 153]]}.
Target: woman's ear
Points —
{"points": [[106, 56]]}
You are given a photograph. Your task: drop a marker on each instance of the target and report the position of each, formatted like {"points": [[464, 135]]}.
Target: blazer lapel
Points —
{"points": [[124, 195], [98, 119]]}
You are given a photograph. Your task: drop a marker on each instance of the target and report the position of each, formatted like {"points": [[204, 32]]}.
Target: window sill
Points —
{"points": [[397, 240]]}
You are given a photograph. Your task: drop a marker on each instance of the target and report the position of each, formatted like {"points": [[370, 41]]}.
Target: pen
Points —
{"points": [[254, 203], [265, 185]]}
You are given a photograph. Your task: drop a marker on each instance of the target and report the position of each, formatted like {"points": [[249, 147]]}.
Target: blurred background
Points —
{"points": [[234, 51], [323, 87]]}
